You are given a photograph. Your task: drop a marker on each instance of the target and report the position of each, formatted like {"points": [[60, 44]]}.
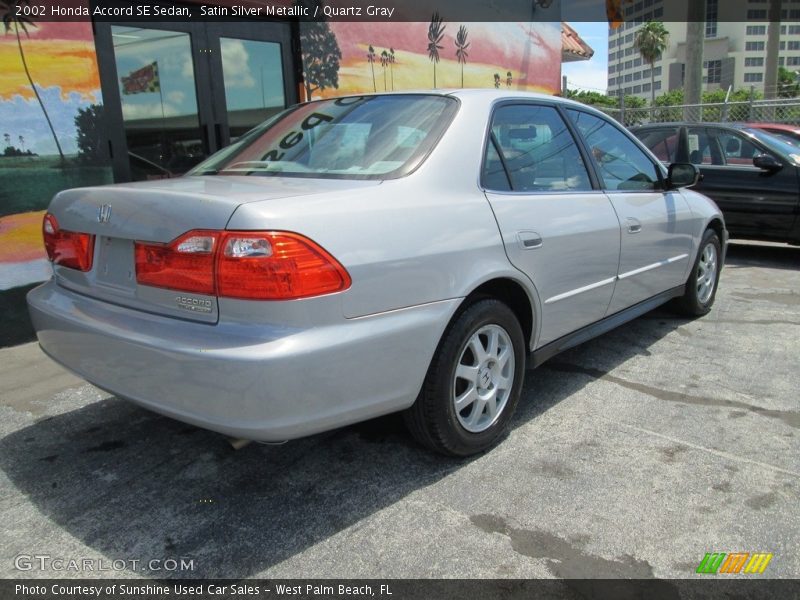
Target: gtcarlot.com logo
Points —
{"points": [[47, 562]]}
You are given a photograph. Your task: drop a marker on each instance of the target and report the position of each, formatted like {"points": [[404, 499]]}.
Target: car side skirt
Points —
{"points": [[548, 351]]}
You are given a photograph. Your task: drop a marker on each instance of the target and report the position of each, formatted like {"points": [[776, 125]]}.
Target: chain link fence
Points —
{"points": [[773, 111]]}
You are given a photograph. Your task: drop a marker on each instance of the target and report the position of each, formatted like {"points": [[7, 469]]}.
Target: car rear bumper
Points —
{"points": [[267, 383]]}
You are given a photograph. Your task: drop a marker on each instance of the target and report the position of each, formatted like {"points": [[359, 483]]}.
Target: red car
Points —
{"points": [[785, 131]]}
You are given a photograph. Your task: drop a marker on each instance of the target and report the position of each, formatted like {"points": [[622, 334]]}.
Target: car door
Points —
{"points": [[756, 203], [656, 223], [557, 227]]}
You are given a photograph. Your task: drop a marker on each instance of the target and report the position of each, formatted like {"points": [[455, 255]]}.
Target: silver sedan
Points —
{"points": [[366, 255]]}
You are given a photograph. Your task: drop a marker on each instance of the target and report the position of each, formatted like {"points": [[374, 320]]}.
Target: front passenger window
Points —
{"points": [[620, 163]]}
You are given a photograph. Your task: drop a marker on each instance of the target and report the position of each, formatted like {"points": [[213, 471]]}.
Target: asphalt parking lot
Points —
{"points": [[630, 456]]}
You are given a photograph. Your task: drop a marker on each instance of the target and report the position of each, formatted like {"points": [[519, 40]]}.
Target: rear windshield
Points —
{"points": [[362, 137]]}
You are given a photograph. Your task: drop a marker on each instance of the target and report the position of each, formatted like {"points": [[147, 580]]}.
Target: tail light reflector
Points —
{"points": [[252, 265], [67, 248]]}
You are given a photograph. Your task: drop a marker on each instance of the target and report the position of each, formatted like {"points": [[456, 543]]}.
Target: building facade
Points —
{"points": [[734, 49]]}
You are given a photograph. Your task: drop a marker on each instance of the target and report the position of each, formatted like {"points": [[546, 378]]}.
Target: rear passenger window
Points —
{"points": [[620, 162], [532, 150]]}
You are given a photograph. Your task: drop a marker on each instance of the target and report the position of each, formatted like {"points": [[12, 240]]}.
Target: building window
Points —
{"points": [[756, 30], [754, 61], [629, 38], [628, 64], [780, 61], [646, 87], [714, 71], [753, 77], [646, 73], [782, 45], [657, 71], [793, 45], [637, 89], [613, 68], [628, 77], [711, 18], [657, 86], [754, 46], [793, 61], [794, 29], [628, 51], [637, 62], [753, 14], [637, 76]]}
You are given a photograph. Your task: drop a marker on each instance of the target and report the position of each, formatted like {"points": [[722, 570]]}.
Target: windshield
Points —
{"points": [[363, 137], [786, 150]]}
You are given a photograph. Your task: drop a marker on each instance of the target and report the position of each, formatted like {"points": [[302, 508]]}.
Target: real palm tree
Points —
{"points": [[435, 35], [371, 56], [11, 20], [461, 49], [384, 64], [651, 41]]}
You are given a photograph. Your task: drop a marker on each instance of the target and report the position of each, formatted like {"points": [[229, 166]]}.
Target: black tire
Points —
{"points": [[693, 303], [433, 419]]}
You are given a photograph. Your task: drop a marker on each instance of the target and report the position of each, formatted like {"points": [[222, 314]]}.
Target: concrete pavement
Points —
{"points": [[631, 456]]}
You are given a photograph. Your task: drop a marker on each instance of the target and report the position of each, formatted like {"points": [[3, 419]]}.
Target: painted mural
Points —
{"points": [[49, 107], [344, 58]]}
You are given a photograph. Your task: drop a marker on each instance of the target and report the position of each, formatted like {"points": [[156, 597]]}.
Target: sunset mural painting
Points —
{"points": [[413, 56], [46, 145]]}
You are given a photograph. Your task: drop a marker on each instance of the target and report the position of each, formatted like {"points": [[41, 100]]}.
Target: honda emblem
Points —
{"points": [[104, 214]]}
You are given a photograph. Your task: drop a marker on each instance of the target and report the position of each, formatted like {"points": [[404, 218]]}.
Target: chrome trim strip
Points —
{"points": [[593, 286], [580, 290], [652, 266]]}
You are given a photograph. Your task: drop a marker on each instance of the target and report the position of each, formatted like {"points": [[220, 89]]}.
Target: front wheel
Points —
{"points": [[701, 287], [473, 383]]}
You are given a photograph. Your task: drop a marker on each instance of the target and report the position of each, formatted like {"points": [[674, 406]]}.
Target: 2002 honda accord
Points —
{"points": [[364, 255]]}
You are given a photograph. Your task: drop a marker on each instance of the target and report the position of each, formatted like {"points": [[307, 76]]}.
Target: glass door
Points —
{"points": [[253, 63], [176, 92], [157, 89]]}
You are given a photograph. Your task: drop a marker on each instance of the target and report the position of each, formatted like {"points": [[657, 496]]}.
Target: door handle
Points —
{"points": [[529, 239], [634, 225]]}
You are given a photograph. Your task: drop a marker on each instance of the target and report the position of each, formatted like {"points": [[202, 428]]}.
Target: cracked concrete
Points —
{"points": [[630, 456]]}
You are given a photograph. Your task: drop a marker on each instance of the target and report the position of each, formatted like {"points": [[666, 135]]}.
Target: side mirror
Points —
{"points": [[682, 175], [767, 162]]}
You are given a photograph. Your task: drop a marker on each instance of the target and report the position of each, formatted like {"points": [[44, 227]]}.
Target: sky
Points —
{"points": [[590, 75]]}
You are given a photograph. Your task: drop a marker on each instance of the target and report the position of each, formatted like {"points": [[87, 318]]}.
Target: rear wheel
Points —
{"points": [[701, 287], [473, 383]]}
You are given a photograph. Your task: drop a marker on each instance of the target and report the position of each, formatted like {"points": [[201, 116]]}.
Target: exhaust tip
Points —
{"points": [[238, 443]]}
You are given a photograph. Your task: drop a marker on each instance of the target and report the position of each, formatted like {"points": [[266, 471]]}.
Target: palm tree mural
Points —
{"points": [[391, 66], [384, 64], [509, 79], [8, 8], [497, 80], [651, 41], [435, 35], [371, 56], [461, 50]]}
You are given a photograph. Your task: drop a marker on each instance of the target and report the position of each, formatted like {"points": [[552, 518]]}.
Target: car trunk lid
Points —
{"points": [[159, 212]]}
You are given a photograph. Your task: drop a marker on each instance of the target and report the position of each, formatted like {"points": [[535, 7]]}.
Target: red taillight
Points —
{"points": [[185, 264], [275, 265], [252, 265], [67, 248]]}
